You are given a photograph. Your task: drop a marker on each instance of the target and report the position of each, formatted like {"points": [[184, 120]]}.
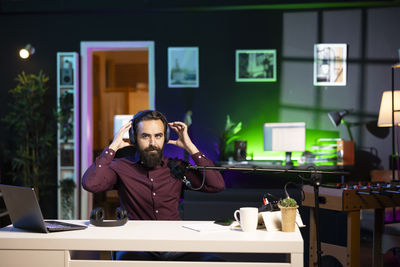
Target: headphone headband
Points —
{"points": [[138, 117], [97, 217]]}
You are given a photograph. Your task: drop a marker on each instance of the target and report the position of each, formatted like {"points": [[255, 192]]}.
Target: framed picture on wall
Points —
{"points": [[256, 65], [183, 67], [330, 64]]}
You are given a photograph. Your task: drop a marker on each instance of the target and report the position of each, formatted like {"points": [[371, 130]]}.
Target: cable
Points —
{"points": [[297, 186], [202, 183]]}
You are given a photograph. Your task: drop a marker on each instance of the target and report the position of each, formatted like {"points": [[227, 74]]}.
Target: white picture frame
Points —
{"points": [[256, 65], [330, 64], [183, 67]]}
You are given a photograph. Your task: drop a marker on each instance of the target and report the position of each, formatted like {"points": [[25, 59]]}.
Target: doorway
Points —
{"points": [[117, 78]]}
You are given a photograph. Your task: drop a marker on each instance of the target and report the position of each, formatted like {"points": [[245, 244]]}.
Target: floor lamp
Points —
{"points": [[389, 115]]}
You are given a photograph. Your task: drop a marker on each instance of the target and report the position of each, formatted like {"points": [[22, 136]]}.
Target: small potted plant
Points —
{"points": [[288, 207]]}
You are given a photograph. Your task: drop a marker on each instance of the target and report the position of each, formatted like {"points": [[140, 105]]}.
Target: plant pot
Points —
{"points": [[288, 218]]}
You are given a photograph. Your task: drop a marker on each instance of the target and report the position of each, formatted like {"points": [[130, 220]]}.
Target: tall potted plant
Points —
{"points": [[32, 129], [226, 139]]}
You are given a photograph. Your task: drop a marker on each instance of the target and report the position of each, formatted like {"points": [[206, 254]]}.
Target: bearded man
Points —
{"points": [[146, 188]]}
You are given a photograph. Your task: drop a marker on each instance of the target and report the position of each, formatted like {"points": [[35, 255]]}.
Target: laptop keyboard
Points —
{"points": [[62, 226]]}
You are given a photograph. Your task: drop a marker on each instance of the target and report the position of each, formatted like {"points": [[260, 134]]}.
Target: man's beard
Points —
{"points": [[150, 158]]}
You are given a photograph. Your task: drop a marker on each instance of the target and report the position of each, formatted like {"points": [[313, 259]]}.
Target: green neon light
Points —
{"points": [[297, 6]]}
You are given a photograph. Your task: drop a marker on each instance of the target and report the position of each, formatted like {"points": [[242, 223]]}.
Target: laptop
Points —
{"points": [[25, 213]]}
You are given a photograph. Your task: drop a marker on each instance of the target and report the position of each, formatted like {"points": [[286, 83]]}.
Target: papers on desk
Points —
{"points": [[206, 227], [273, 220]]}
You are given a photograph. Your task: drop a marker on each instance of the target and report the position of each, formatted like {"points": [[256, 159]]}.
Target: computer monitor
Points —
{"points": [[120, 120], [285, 136]]}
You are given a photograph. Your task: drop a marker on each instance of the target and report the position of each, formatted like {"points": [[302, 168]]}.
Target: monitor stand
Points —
{"points": [[288, 161]]}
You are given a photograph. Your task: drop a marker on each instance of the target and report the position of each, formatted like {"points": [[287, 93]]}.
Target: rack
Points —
{"points": [[68, 179]]}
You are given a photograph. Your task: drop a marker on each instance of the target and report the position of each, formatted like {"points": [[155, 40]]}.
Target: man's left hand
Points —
{"points": [[183, 140]]}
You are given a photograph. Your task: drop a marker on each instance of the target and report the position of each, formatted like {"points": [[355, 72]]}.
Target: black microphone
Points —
{"points": [[178, 170]]}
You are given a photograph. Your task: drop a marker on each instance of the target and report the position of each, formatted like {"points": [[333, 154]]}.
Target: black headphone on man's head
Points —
{"points": [[97, 217], [138, 117]]}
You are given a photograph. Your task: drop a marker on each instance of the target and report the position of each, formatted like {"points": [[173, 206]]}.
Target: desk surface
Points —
{"points": [[154, 236]]}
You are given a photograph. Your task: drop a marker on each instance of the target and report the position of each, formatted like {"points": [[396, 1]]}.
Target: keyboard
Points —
{"points": [[56, 226]]}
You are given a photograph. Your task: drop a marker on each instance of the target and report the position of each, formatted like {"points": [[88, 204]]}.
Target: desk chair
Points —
{"points": [[390, 237]]}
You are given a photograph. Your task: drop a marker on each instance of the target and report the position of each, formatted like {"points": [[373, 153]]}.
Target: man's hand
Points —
{"points": [[183, 140], [118, 141]]}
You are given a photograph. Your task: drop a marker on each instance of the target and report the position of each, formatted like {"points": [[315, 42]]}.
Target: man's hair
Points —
{"points": [[148, 115]]}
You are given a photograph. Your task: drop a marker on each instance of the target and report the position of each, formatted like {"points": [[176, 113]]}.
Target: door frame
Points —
{"points": [[86, 120]]}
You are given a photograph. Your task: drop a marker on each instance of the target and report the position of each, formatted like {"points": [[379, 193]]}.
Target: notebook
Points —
{"points": [[25, 213]]}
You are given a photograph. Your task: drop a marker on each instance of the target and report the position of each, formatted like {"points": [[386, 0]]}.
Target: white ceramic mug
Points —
{"points": [[248, 218]]}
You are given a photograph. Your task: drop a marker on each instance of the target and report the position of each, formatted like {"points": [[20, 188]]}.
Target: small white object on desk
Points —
{"points": [[206, 227], [299, 221], [273, 220]]}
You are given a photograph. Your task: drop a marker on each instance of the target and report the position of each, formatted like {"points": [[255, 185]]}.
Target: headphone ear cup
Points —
{"points": [[167, 134], [97, 216], [120, 214], [132, 138]]}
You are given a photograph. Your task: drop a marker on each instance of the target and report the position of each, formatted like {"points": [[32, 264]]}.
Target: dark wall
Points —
{"points": [[217, 34]]}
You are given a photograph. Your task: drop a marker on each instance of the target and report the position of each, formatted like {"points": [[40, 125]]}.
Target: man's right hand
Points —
{"points": [[118, 141]]}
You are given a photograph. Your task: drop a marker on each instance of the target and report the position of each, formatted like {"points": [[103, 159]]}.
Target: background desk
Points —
{"points": [[19, 248]]}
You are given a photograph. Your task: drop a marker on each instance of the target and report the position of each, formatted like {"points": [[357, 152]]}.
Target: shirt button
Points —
{"points": [[156, 211], [110, 153], [99, 165], [199, 157], [106, 152], [151, 179], [154, 193]]}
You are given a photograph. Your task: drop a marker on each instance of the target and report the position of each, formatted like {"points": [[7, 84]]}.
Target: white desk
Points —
{"points": [[20, 248]]}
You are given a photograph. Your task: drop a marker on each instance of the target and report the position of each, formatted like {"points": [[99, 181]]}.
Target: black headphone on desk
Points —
{"points": [[97, 217], [153, 114]]}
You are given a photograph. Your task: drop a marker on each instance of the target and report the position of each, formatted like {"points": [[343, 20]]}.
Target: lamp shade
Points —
{"points": [[385, 111], [337, 116]]}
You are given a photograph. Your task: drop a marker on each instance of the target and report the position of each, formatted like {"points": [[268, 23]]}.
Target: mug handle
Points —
{"points": [[235, 215]]}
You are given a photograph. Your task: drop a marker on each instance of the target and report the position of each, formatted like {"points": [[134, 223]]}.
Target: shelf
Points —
{"points": [[126, 89], [67, 87], [67, 168], [69, 142]]}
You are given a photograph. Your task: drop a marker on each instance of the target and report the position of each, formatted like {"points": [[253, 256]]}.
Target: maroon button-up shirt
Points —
{"points": [[147, 194]]}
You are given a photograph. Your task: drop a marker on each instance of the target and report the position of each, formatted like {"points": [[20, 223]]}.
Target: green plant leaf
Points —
{"points": [[32, 130], [288, 202]]}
